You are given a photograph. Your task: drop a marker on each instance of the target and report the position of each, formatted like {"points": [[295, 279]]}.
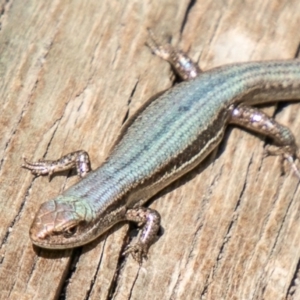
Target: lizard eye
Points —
{"points": [[70, 231], [67, 229]]}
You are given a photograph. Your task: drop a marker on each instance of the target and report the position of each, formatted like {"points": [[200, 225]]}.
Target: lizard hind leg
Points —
{"points": [[184, 66], [256, 120]]}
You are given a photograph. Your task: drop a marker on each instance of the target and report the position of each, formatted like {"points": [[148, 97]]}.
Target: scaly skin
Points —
{"points": [[165, 139]]}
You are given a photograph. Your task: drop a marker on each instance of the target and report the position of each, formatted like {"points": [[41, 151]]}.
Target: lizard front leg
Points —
{"points": [[78, 159]]}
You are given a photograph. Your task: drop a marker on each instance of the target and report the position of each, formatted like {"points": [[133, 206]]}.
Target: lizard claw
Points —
{"points": [[294, 167], [37, 168], [138, 251], [288, 154]]}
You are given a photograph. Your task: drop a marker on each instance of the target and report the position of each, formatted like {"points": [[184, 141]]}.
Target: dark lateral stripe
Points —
{"points": [[189, 158]]}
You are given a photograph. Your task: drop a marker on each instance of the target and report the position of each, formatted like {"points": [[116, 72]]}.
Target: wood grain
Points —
{"points": [[71, 73]]}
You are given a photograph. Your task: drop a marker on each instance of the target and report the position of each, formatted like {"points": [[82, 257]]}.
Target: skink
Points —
{"points": [[166, 138]]}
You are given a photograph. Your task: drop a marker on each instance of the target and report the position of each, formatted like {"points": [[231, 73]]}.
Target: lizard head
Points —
{"points": [[60, 223]]}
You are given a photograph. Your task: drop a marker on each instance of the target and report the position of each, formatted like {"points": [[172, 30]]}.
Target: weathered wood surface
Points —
{"points": [[70, 72]]}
